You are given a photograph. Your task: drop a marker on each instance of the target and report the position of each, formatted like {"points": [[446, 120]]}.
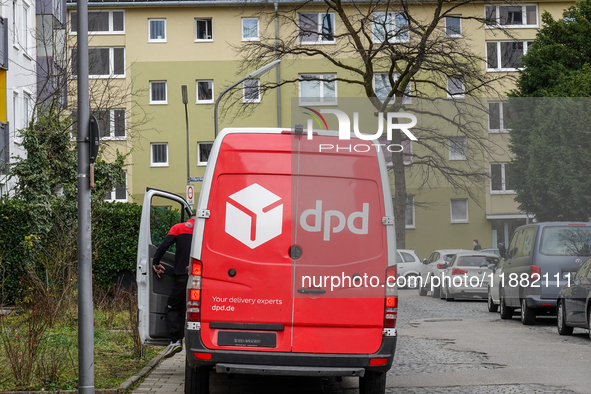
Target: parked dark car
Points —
{"points": [[535, 265], [574, 304]]}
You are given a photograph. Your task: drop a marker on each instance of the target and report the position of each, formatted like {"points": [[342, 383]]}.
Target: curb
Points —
{"points": [[122, 389], [140, 375]]}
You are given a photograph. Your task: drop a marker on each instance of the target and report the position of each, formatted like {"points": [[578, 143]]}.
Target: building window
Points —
{"points": [[101, 22], [455, 87], [511, 15], [203, 152], [499, 117], [158, 92], [159, 155], [251, 91], [382, 87], [111, 123], [453, 26], [205, 92], [25, 26], [410, 212], [390, 26], [14, 34], [459, 210], [15, 111], [316, 28], [250, 29], [156, 30], [119, 193], [26, 108], [103, 62], [457, 148], [498, 179], [505, 55], [203, 30], [3, 43], [318, 89]]}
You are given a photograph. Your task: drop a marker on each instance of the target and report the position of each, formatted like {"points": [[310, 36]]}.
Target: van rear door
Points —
{"points": [[340, 275], [246, 269], [160, 211]]}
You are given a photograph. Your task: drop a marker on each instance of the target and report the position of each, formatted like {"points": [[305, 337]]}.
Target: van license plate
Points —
{"points": [[249, 339]]}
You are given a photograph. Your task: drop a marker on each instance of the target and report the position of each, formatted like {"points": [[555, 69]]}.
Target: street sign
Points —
{"points": [[196, 179], [191, 194]]}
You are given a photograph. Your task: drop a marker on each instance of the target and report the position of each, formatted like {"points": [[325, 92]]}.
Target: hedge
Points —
{"points": [[115, 229]]}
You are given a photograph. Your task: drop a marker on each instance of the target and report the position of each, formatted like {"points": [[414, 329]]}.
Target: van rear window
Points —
{"points": [[566, 241]]}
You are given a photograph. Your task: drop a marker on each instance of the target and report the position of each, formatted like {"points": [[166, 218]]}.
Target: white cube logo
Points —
{"points": [[254, 216]]}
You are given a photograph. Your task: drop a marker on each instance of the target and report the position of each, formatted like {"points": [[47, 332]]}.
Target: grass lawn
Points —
{"points": [[54, 363]]}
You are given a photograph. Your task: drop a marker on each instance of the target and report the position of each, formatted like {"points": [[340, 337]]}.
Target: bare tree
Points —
{"points": [[57, 88], [392, 50]]}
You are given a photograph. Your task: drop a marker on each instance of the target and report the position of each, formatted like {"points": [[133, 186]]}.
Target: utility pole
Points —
{"points": [[85, 307], [186, 101]]}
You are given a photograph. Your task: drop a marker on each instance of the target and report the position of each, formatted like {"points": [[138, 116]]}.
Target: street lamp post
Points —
{"points": [[256, 74], [186, 101]]}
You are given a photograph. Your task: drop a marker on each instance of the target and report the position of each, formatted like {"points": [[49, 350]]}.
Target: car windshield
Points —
{"points": [[447, 258], [476, 261], [566, 241]]}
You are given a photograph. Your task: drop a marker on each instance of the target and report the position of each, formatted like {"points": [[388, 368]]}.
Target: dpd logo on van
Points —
{"points": [[254, 216]]}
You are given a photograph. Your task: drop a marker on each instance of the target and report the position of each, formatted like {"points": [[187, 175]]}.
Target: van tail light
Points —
{"points": [[378, 361], [457, 271], [391, 301], [535, 273], [194, 292], [441, 266]]}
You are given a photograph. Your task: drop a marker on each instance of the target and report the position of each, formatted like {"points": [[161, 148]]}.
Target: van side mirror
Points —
{"points": [[492, 267], [424, 261]]}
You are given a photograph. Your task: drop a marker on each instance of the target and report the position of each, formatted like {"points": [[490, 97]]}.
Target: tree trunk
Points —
{"points": [[399, 190]]}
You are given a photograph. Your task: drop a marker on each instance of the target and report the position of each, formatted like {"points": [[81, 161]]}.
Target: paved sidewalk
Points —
{"points": [[168, 377]]}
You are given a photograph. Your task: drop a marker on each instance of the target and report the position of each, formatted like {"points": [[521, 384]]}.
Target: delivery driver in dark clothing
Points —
{"points": [[181, 234]]}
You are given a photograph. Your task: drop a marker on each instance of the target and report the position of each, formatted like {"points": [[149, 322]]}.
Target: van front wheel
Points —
{"points": [[372, 383], [196, 380]]}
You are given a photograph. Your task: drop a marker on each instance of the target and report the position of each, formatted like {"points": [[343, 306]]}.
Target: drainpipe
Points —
{"points": [[278, 67]]}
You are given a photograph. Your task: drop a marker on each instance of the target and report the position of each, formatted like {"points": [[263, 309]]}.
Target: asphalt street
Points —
{"points": [[443, 347]]}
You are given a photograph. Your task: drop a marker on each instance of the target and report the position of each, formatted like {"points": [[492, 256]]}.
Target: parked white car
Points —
{"points": [[434, 266], [468, 274], [494, 287], [409, 267]]}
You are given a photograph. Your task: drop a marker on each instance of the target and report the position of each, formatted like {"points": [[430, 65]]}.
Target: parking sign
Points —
{"points": [[191, 194]]}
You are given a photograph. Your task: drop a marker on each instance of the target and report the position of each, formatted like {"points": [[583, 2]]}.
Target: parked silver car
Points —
{"points": [[434, 266]]}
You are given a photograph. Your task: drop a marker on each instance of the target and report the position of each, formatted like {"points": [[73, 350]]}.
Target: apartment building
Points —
{"points": [[149, 49], [19, 44]]}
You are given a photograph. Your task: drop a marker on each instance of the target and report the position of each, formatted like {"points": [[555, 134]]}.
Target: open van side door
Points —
{"points": [[160, 211]]}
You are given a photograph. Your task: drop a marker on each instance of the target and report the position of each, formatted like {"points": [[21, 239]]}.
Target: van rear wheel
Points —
{"points": [[563, 329], [372, 383], [492, 307], [528, 315], [196, 380], [506, 311]]}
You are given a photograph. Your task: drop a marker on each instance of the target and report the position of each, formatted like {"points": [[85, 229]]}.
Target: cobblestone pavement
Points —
{"points": [[414, 356], [497, 389]]}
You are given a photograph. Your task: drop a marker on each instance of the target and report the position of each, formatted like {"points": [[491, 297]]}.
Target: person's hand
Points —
{"points": [[159, 269]]}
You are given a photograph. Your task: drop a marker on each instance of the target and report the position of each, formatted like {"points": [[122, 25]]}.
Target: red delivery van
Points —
{"points": [[293, 260]]}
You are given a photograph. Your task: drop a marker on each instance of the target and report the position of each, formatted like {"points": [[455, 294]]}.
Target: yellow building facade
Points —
{"points": [[150, 49]]}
